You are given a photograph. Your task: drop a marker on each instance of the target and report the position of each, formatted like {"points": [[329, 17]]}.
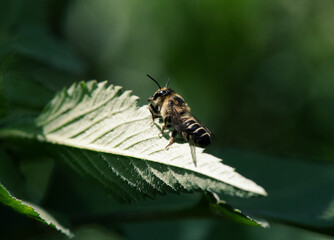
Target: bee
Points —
{"points": [[174, 111]]}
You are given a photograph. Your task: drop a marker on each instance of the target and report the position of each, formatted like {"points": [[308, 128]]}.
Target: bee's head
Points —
{"points": [[160, 95]]}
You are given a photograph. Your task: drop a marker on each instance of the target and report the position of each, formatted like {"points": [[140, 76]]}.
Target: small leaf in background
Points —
{"points": [[222, 208], [24, 96], [36, 42], [31, 210]]}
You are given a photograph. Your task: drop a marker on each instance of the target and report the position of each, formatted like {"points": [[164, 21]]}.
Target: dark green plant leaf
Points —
{"points": [[301, 191], [31, 210], [223, 209], [35, 42]]}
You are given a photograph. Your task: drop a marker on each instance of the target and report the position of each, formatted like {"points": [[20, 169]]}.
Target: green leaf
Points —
{"points": [[31, 210], [221, 208], [301, 191], [23, 95], [36, 42], [100, 132]]}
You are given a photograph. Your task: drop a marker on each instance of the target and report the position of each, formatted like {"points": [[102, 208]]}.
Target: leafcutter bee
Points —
{"points": [[175, 112]]}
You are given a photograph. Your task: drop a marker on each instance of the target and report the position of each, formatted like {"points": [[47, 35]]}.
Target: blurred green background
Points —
{"points": [[259, 74]]}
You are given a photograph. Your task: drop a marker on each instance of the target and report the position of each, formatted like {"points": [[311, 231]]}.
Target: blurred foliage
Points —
{"points": [[259, 74]]}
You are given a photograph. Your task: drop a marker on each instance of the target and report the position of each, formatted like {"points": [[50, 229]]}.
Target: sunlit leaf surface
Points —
{"points": [[100, 131]]}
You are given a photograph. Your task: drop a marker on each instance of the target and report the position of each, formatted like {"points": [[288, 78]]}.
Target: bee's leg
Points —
{"points": [[163, 125], [154, 112], [165, 121], [171, 140]]}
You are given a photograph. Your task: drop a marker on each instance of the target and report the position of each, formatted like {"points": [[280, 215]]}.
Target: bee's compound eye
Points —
{"points": [[161, 93]]}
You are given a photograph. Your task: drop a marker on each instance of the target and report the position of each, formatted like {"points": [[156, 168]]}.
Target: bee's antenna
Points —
{"points": [[154, 81], [167, 83]]}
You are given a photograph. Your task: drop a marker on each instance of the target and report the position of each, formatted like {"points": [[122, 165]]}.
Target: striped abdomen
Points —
{"points": [[195, 132]]}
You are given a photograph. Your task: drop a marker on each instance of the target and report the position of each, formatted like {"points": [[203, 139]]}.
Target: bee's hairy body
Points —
{"points": [[174, 111]]}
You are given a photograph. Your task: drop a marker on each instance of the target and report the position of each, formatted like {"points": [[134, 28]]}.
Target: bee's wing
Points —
{"points": [[193, 153], [179, 125], [176, 119]]}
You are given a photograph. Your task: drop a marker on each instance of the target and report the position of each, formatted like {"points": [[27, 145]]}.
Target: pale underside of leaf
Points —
{"points": [[102, 133]]}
